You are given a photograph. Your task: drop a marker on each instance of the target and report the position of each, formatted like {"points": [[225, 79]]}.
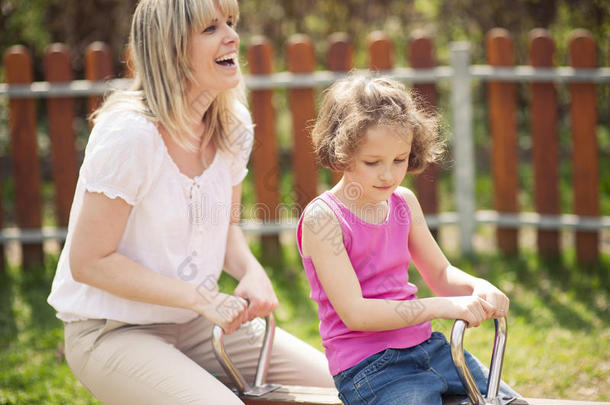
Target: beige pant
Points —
{"points": [[174, 363]]}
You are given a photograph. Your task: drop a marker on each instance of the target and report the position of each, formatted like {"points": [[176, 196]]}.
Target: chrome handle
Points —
{"points": [[242, 386], [495, 369], [265, 355]]}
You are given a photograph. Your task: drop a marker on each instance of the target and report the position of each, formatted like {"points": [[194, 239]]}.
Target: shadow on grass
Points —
{"points": [[290, 278], [34, 288], [8, 326], [547, 278], [290, 283], [553, 284]]}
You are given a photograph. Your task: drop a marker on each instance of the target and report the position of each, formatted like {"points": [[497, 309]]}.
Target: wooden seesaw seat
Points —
{"points": [[261, 393]]}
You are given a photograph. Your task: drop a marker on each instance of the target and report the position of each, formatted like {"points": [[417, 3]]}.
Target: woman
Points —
{"points": [[154, 222]]}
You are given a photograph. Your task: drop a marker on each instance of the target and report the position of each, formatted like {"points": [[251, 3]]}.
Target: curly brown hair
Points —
{"points": [[354, 104]]}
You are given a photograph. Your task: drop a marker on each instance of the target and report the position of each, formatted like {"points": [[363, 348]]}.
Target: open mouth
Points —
{"points": [[227, 60]]}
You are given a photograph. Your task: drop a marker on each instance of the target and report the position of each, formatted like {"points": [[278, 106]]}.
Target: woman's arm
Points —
{"points": [[94, 261], [254, 284], [441, 277], [342, 287]]}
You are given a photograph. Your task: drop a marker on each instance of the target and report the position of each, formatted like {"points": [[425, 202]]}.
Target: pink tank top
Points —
{"points": [[380, 256]]}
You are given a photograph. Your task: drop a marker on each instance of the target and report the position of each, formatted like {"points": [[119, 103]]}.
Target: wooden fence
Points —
{"points": [[60, 90]]}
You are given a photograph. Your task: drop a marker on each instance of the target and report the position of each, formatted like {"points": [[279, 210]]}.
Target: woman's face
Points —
{"points": [[213, 57]]}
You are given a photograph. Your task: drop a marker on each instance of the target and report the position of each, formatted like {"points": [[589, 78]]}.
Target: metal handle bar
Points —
{"points": [[495, 370], [242, 386]]}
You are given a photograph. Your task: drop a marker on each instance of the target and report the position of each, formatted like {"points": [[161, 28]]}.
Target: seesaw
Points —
{"points": [[261, 393]]}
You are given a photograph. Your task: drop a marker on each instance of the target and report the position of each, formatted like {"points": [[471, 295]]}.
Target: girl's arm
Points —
{"points": [[94, 261], [241, 264], [441, 277], [342, 287]]}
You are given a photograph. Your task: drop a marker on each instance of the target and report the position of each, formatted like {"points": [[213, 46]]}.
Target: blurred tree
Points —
{"points": [[81, 22], [36, 23], [77, 23], [471, 19], [23, 25]]}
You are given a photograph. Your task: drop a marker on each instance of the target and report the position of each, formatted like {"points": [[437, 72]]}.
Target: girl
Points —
{"points": [[154, 222], [357, 240]]}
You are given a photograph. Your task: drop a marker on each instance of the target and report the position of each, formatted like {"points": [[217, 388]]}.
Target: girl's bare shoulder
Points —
{"points": [[318, 215]]}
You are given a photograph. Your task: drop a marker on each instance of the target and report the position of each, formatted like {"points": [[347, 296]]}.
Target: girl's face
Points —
{"points": [[379, 165], [213, 56]]}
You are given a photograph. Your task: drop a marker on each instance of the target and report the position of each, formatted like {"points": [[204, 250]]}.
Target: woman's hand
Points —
{"points": [[227, 311], [256, 287], [492, 295]]}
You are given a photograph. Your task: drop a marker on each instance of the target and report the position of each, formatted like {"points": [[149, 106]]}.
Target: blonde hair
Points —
{"points": [[356, 103], [159, 45]]}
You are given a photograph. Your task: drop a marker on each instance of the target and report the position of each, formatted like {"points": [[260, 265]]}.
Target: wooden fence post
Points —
{"points": [[128, 62], [421, 56], [502, 101], [340, 58], [381, 51], [585, 166], [98, 66], [265, 152], [24, 153], [545, 137], [301, 59], [61, 129]]}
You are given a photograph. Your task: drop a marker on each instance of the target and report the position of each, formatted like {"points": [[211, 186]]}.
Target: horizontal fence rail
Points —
{"points": [[257, 228], [500, 76], [273, 81]]}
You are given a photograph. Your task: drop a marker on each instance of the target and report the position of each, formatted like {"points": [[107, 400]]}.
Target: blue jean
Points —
{"points": [[416, 375]]}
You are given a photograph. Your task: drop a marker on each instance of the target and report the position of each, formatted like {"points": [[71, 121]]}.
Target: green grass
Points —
{"points": [[559, 327], [32, 371]]}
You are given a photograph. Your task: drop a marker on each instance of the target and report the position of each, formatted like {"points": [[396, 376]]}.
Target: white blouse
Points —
{"points": [[177, 226]]}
